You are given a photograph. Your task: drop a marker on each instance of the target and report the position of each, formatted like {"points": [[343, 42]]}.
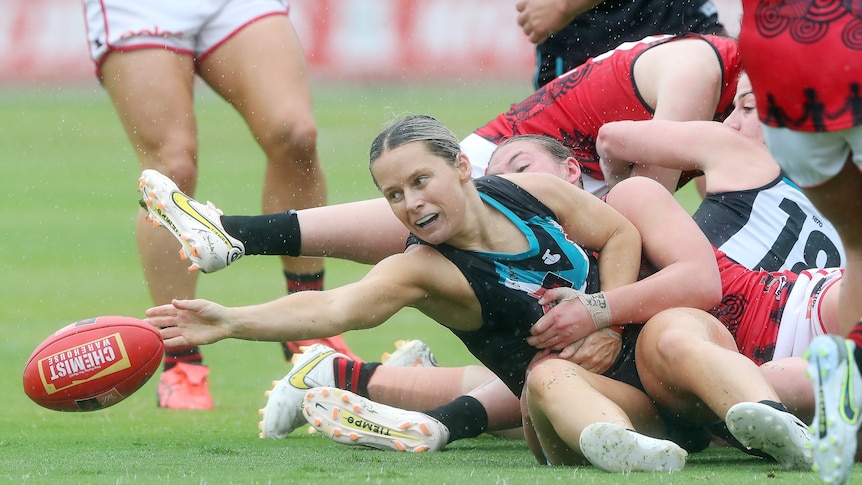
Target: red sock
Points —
{"points": [[353, 376]]}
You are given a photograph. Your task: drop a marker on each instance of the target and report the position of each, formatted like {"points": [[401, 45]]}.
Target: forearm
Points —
{"points": [[679, 285], [301, 316], [619, 259]]}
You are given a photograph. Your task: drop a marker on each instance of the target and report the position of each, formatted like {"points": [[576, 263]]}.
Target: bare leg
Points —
{"points": [[275, 100], [563, 399], [689, 364], [787, 376], [364, 231], [152, 92], [423, 388]]}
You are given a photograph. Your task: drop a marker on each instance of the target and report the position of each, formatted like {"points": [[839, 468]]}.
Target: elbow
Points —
{"points": [[603, 144], [711, 293], [609, 139]]}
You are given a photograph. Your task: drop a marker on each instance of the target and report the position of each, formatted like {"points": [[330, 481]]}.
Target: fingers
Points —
{"points": [[550, 342], [568, 351], [541, 325], [557, 295], [161, 311], [176, 342]]}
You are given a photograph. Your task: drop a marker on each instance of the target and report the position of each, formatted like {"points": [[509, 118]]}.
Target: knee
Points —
{"points": [[294, 137], [668, 334], [542, 376]]}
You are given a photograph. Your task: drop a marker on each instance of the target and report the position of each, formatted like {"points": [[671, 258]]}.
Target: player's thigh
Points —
{"points": [[263, 73], [152, 91]]}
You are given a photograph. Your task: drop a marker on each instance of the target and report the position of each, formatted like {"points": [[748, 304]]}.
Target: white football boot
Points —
{"points": [[283, 411], [615, 449], [779, 434], [196, 226], [350, 419], [410, 353]]}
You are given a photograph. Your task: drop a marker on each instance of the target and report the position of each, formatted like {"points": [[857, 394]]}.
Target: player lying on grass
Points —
{"points": [[758, 185], [439, 274]]}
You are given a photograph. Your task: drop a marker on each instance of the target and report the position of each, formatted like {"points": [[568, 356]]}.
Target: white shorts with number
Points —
{"points": [[188, 27], [812, 158]]}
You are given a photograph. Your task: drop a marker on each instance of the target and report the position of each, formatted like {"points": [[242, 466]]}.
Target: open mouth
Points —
{"points": [[425, 221]]}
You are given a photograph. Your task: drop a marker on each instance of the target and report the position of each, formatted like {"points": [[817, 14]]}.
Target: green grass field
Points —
{"points": [[69, 253]]}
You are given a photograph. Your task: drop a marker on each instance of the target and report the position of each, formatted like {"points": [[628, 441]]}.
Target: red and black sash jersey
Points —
{"points": [[574, 106], [505, 284], [612, 22]]}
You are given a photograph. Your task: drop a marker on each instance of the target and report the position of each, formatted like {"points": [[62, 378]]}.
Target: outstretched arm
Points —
{"points": [[388, 287]]}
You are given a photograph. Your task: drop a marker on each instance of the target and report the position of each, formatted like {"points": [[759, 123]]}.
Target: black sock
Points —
{"points": [[353, 376], [270, 234], [464, 416], [719, 428], [775, 405]]}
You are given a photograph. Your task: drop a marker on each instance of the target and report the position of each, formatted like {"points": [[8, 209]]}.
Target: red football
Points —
{"points": [[93, 364]]}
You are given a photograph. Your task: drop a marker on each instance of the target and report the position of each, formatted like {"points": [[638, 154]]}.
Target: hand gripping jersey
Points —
{"points": [[505, 283], [771, 228], [804, 59], [574, 106]]}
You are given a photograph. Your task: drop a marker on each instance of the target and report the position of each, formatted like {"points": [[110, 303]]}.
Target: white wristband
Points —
{"points": [[597, 305]]}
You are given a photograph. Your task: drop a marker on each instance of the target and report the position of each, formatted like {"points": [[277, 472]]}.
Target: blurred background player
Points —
{"points": [[147, 55], [568, 32], [813, 126]]}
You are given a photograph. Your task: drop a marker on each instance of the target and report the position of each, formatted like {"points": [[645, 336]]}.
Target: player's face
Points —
{"points": [[744, 118], [526, 156], [424, 190]]}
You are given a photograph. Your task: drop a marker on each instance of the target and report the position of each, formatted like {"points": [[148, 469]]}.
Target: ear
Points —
{"points": [[573, 171], [465, 168]]}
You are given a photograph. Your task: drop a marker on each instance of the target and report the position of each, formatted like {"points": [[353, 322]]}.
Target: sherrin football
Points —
{"points": [[93, 364]]}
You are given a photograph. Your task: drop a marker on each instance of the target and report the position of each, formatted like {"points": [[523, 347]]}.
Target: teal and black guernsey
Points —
{"points": [[505, 284]]}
